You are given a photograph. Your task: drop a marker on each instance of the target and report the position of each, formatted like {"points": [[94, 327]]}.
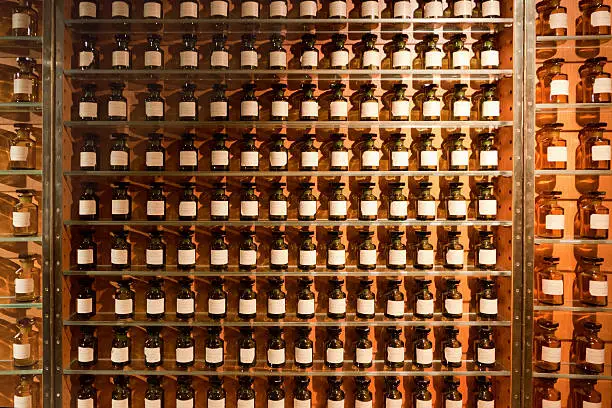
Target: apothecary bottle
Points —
{"points": [[309, 154], [152, 9], [365, 300], [302, 396], [249, 202], [154, 103], [394, 299], [594, 18], [154, 394], [153, 53], [214, 354], [489, 105], [121, 345], [487, 299], [488, 157], [551, 151], [423, 300], [486, 203], [156, 202], [553, 86], [338, 108], [484, 348], [334, 348], [155, 298], [219, 105], [247, 298], [547, 346], [549, 282], [310, 55], [339, 155], [24, 19], [278, 203], [363, 348], [458, 55], [451, 348], [218, 261], [185, 299], [246, 348], [593, 217], [458, 156], [337, 203], [121, 55], [370, 154], [117, 103], [425, 202], [188, 153], [424, 251], [366, 251], [396, 253], [421, 397], [592, 283], [248, 52], [459, 104], [368, 106], [155, 153], [370, 56], [88, 104], [452, 398], [278, 54], [276, 347], [551, 19], [545, 393], [335, 395], [121, 8], [25, 81], [593, 152], [26, 279], [23, 396], [280, 104], [431, 106], [484, 392], [188, 56], [245, 395], [368, 203], [275, 393], [89, 204], [153, 348], [309, 105], [184, 347], [423, 348], [219, 57], [25, 343], [276, 298], [124, 299], [22, 148], [121, 202], [452, 300], [339, 55], [399, 155], [453, 251], [305, 299], [219, 203], [188, 104], [303, 348], [430, 54], [336, 299], [86, 256], [307, 256], [155, 252], [249, 105], [185, 393], [596, 85], [186, 249], [400, 105], [119, 152], [336, 251], [487, 51], [401, 58], [188, 9], [25, 214], [217, 297], [363, 396], [589, 349], [219, 153], [393, 397], [486, 251], [87, 394], [89, 55]]}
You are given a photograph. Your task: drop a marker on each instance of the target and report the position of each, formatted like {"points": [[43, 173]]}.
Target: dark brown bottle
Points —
{"points": [[547, 346]]}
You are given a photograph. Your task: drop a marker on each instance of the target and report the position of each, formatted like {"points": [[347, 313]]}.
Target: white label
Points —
{"points": [[490, 108], [218, 110], [369, 109], [600, 221], [278, 208], [460, 158], [214, 355], [245, 403], [119, 256], [491, 8], [461, 58], [433, 59], [337, 9], [454, 257], [20, 153], [22, 402], [278, 159], [339, 59], [401, 58], [551, 404], [595, 356], [249, 208], [86, 354], [186, 256], [552, 287], [219, 208], [88, 110], [152, 354], [189, 9], [598, 288], [397, 257], [308, 257], [276, 306], [338, 109], [300, 403], [154, 159], [189, 59], [600, 18], [395, 308], [276, 404], [248, 58], [250, 9], [457, 207], [124, 306], [424, 356], [337, 208], [489, 58], [248, 257], [156, 306], [425, 257], [20, 20], [185, 306], [276, 356], [278, 59], [219, 8], [551, 354], [310, 159], [156, 207], [487, 256], [555, 222], [153, 58], [431, 109], [310, 58], [369, 208], [21, 351], [426, 208], [586, 404], [339, 159], [395, 354], [303, 356], [485, 404], [398, 108], [337, 306], [249, 108], [485, 356], [85, 58], [602, 85], [278, 9], [151, 10], [558, 20], [336, 256], [22, 86], [87, 207], [247, 306], [119, 354], [334, 355], [365, 306], [119, 158], [184, 403], [461, 109], [309, 108], [363, 404], [425, 306], [219, 158], [216, 306], [393, 403], [120, 207], [488, 306], [216, 403], [363, 355], [371, 58], [85, 256], [487, 207], [369, 8], [462, 8], [401, 9], [559, 87], [370, 158], [453, 354], [247, 355], [21, 219], [279, 256], [488, 158], [188, 158], [600, 153], [280, 108], [121, 58], [87, 9], [306, 306], [120, 9], [154, 108], [154, 256], [219, 59], [399, 159], [307, 208], [117, 108], [187, 109], [433, 9], [423, 404]]}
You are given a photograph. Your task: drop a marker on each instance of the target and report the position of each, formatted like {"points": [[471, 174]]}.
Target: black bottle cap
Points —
{"points": [[422, 233], [547, 324]]}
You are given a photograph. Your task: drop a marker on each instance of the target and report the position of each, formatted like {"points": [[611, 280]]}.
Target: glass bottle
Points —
{"points": [[459, 106], [276, 347], [400, 105], [487, 152], [120, 250], [398, 202], [185, 299], [121, 8], [25, 343], [368, 105], [153, 347], [594, 18], [248, 52], [394, 299], [278, 54], [368, 203], [334, 348], [486, 251], [124, 299], [219, 57], [484, 392], [248, 251], [335, 395], [275, 393], [249, 106], [188, 153], [401, 58], [451, 348], [120, 347], [487, 51], [24, 19], [219, 155], [188, 56], [310, 55], [303, 350], [338, 107], [219, 203], [399, 157], [592, 283], [336, 251], [279, 251], [584, 394], [427, 153], [156, 299], [423, 348], [423, 300], [217, 298], [424, 258], [188, 104], [156, 202], [214, 348], [247, 302], [155, 153], [25, 214], [452, 397], [246, 348], [86, 257], [363, 348], [280, 103], [276, 303], [485, 348], [547, 346], [452, 300], [370, 56], [590, 353], [89, 204], [487, 299], [309, 154], [553, 86], [365, 300], [593, 216], [154, 395], [88, 104], [216, 393], [549, 282], [429, 51], [550, 218], [594, 151], [26, 279], [188, 9], [366, 251], [363, 396], [458, 156], [339, 55], [489, 107], [486, 202], [154, 103], [307, 259], [85, 299], [309, 105], [184, 348], [370, 154], [426, 203], [278, 203], [121, 203], [597, 84], [453, 251], [117, 103], [89, 56], [152, 9], [337, 203], [545, 393], [153, 54], [122, 55], [25, 82], [305, 299], [307, 208], [22, 148], [396, 254], [336, 299], [245, 395], [552, 18], [185, 393], [219, 108], [302, 397], [394, 348], [86, 395], [186, 257], [120, 152], [279, 157]]}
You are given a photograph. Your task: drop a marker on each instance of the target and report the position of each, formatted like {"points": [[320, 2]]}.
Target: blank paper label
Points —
{"points": [[556, 154], [219, 59], [600, 153], [338, 108], [120, 207], [486, 356], [219, 158], [250, 9], [121, 58], [117, 108], [276, 356], [189, 59], [307, 208], [424, 356], [189, 9], [395, 308], [600, 18], [152, 354], [559, 87], [22, 86], [371, 58], [426, 208], [88, 110], [249, 208], [595, 356], [598, 288], [156, 207], [457, 207], [488, 306], [188, 208], [278, 9], [429, 158], [155, 306], [399, 159], [337, 9], [87, 207], [153, 58], [308, 257], [124, 306], [21, 219], [24, 285], [120, 9], [86, 354], [279, 256], [339, 159], [488, 158], [552, 287], [278, 59], [185, 306], [462, 8], [551, 354], [555, 222], [248, 58], [187, 109], [490, 8], [425, 306], [433, 59], [22, 402], [219, 208], [490, 108], [151, 10], [20, 20], [278, 208], [249, 108], [558, 20], [454, 256], [119, 158], [214, 355], [248, 257], [433, 9], [20, 153], [21, 351], [485, 404], [184, 355], [363, 404], [460, 158], [337, 306], [398, 208], [280, 108], [186, 256], [218, 8], [339, 59], [247, 355], [461, 108], [452, 354], [600, 221], [365, 306], [487, 207], [401, 58], [336, 256], [87, 9], [85, 256], [369, 208], [334, 356], [602, 85], [369, 8], [310, 159], [309, 108], [337, 208], [310, 58], [154, 109], [306, 306], [397, 257], [276, 306], [369, 109], [489, 58], [367, 256], [461, 58], [425, 257], [247, 306], [84, 305], [152, 403], [218, 110], [453, 306], [401, 9], [119, 354], [363, 355], [216, 306], [586, 404], [184, 403], [303, 356], [551, 404], [395, 354]]}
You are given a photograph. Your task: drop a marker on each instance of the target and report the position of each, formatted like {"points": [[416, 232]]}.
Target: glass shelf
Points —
{"points": [[18, 107], [320, 319], [318, 173], [547, 42], [8, 302], [19, 41], [573, 172], [303, 124], [569, 370], [296, 223], [20, 172], [10, 238], [274, 25], [468, 368], [350, 270], [571, 306], [572, 241], [210, 75], [7, 368], [571, 107]]}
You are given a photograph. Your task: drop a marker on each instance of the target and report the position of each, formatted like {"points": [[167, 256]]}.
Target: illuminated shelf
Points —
{"points": [[10, 238], [20, 172], [468, 368], [8, 302], [20, 41], [569, 370], [571, 107], [19, 107], [573, 306], [7, 368], [296, 223], [572, 241], [547, 38], [350, 270], [318, 173], [573, 172], [320, 319]]}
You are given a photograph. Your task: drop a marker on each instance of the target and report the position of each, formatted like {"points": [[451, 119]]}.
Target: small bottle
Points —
{"points": [[88, 104], [370, 56], [549, 282], [394, 348], [24, 19], [489, 102], [487, 152], [153, 54], [248, 251], [337, 203], [305, 299], [399, 156], [219, 203], [590, 353], [154, 395], [121, 203], [550, 218], [188, 56], [452, 300], [278, 9], [553, 86], [122, 55], [121, 9], [154, 103], [152, 9], [365, 300], [334, 348], [487, 299], [22, 151], [153, 347], [279, 251], [188, 153], [219, 155], [86, 395], [368, 203], [586, 395], [363, 396], [185, 299], [25, 344], [188, 104], [338, 107], [89, 56], [459, 106], [593, 216], [336, 299], [186, 257], [452, 397], [396, 254], [427, 153], [594, 151], [484, 392], [87, 9], [188, 9], [487, 51], [89, 203], [247, 302], [424, 256], [303, 350], [276, 303], [335, 395], [486, 251], [25, 214], [26, 279], [216, 394], [401, 57], [339, 55], [25, 81], [278, 203], [307, 256], [366, 249], [117, 103], [245, 395], [156, 299], [400, 105], [185, 393], [423, 300], [184, 348], [213, 350], [217, 299], [309, 154], [249, 105], [219, 57], [485, 348], [156, 202], [453, 251], [457, 155], [592, 283], [120, 347], [547, 346], [85, 299], [248, 52], [280, 103], [246, 348], [310, 55], [309, 105], [249, 202], [451, 348], [155, 153], [336, 251], [307, 205], [398, 202], [119, 157], [155, 253], [278, 55], [276, 347], [124, 299], [394, 299], [545, 393], [426, 203], [370, 154], [430, 53], [219, 105], [86, 256], [249, 9], [552, 19], [486, 202], [368, 107], [423, 348], [363, 348]]}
